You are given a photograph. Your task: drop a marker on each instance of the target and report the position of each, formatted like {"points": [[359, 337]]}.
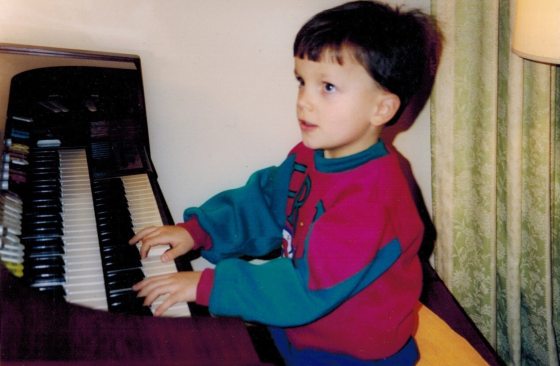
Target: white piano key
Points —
{"points": [[89, 285], [73, 269], [90, 301], [85, 298], [81, 250], [141, 200], [84, 275]]}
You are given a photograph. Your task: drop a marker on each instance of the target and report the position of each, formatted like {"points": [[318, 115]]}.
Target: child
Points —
{"points": [[346, 284]]}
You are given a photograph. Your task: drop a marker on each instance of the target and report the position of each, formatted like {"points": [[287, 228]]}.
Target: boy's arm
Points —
{"points": [[344, 254], [243, 221], [274, 293]]}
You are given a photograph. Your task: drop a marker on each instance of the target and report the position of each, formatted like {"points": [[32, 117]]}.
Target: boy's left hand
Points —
{"points": [[180, 287]]}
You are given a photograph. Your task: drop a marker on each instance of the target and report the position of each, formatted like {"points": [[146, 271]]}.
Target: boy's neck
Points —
{"points": [[334, 154]]}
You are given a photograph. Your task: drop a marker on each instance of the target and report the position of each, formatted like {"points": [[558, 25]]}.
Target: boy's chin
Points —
{"points": [[311, 145]]}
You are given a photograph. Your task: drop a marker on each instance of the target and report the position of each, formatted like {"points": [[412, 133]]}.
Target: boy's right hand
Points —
{"points": [[178, 238]]}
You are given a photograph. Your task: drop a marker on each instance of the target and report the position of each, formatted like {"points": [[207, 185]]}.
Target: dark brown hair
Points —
{"points": [[389, 43]]}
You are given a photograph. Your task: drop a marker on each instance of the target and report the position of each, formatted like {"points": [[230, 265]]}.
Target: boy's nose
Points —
{"points": [[303, 101]]}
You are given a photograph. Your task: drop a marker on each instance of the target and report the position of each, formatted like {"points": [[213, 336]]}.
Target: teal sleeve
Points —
{"points": [[276, 293], [247, 220]]}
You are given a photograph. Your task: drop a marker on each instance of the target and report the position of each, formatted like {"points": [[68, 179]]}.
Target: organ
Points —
{"points": [[78, 177], [77, 182]]}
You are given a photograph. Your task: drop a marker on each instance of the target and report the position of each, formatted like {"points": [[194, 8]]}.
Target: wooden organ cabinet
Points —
{"points": [[77, 181]]}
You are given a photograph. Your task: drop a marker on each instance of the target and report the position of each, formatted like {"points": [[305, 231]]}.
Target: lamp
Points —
{"points": [[536, 33]]}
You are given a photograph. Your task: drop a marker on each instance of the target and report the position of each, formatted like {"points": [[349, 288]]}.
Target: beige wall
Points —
{"points": [[218, 78]]}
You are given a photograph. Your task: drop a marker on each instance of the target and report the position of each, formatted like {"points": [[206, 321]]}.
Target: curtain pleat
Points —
{"points": [[495, 164]]}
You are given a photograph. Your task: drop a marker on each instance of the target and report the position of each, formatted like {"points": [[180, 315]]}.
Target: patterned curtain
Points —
{"points": [[496, 181]]}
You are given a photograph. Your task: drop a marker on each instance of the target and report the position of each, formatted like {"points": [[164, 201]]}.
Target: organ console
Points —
{"points": [[77, 182]]}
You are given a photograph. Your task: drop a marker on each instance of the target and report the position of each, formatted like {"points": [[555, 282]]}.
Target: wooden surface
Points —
{"points": [[37, 330]]}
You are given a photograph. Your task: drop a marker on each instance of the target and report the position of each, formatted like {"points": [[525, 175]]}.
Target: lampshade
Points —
{"points": [[536, 32]]}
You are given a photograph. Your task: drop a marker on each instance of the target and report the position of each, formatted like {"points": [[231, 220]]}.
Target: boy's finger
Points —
{"points": [[164, 306], [170, 255], [141, 234]]}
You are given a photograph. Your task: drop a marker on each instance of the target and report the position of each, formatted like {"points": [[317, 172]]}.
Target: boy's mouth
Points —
{"points": [[305, 125]]}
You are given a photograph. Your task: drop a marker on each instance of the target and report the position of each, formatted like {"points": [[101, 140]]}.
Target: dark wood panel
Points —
{"points": [[35, 329]]}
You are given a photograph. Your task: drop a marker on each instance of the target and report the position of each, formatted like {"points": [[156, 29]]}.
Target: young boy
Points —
{"points": [[346, 284]]}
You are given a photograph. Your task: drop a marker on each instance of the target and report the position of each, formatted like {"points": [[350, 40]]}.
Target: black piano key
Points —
{"points": [[115, 262], [103, 210], [45, 262], [44, 174], [123, 280], [41, 274], [47, 196], [45, 220], [113, 224], [35, 228], [45, 161], [42, 242], [45, 166], [43, 191], [45, 156], [114, 237], [44, 270], [48, 228], [115, 231], [53, 291], [127, 302], [110, 194], [45, 184], [45, 251], [37, 153], [44, 231], [53, 281], [53, 202], [50, 276], [43, 215], [108, 247], [107, 213], [120, 247], [44, 180], [36, 249], [44, 210], [109, 188]]}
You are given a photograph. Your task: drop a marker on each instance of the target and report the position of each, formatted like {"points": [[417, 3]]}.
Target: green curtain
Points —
{"points": [[496, 181]]}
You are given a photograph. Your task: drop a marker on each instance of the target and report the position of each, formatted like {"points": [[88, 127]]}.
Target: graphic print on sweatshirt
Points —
{"points": [[298, 194]]}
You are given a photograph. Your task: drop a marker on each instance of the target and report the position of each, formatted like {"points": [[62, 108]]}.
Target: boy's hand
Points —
{"points": [[180, 287], [178, 238]]}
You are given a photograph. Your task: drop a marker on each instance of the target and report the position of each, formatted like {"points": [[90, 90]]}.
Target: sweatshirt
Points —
{"points": [[348, 278]]}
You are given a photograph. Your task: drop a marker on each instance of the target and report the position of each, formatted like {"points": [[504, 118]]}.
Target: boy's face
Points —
{"points": [[340, 108]]}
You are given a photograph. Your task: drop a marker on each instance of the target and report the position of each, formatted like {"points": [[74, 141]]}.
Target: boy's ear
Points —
{"points": [[385, 109]]}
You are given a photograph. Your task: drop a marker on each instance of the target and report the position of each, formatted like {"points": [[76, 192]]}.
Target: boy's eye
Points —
{"points": [[300, 81], [328, 87]]}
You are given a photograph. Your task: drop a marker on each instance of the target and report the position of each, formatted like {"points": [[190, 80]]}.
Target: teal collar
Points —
{"points": [[336, 165]]}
